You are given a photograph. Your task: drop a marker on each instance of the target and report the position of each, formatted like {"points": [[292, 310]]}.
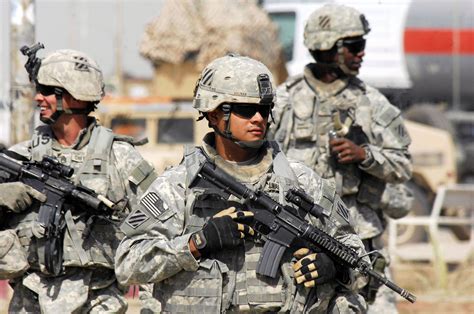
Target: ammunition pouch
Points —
{"points": [[370, 191], [397, 200]]}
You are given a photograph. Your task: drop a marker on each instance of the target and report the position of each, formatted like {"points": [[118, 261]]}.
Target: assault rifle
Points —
{"points": [[52, 178], [285, 224]]}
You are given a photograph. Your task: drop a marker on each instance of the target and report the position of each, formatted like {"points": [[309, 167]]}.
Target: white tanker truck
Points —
{"points": [[420, 54]]}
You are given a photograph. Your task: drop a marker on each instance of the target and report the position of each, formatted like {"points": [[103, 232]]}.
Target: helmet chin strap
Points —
{"points": [[58, 92], [227, 109]]}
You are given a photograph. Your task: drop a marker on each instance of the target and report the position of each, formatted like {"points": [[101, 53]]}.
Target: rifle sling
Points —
{"points": [[76, 238]]}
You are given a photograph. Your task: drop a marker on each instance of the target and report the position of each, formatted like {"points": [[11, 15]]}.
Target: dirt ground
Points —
{"points": [[418, 278], [421, 280]]}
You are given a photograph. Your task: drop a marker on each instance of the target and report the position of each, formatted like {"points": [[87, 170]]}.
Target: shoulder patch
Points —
{"points": [[153, 203], [136, 219], [386, 114], [342, 210], [328, 192], [397, 127]]}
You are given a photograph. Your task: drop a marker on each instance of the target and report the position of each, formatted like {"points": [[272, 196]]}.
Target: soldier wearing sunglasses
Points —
{"points": [[199, 247], [69, 86], [347, 131]]}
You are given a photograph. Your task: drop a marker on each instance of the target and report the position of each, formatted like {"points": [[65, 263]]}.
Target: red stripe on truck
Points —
{"points": [[439, 41]]}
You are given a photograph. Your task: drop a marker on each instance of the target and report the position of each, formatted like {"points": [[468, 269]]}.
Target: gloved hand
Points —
{"points": [[313, 268], [17, 196], [222, 231]]}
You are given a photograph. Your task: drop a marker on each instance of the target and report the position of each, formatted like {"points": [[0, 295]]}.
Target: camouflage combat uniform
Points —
{"points": [[156, 249], [111, 167], [305, 115], [13, 259], [102, 161]]}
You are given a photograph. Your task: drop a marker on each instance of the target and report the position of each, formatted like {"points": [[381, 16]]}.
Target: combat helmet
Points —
{"points": [[327, 28], [74, 71], [66, 70], [233, 79], [333, 22]]}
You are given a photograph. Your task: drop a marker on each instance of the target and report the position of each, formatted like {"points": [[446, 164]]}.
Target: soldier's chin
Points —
{"points": [[349, 71], [46, 120]]}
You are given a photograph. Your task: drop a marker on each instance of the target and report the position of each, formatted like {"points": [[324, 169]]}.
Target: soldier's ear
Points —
{"points": [[213, 117]]}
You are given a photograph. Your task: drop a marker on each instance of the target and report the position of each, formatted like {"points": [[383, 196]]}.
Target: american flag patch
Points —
{"points": [[342, 210], [136, 219], [153, 203]]}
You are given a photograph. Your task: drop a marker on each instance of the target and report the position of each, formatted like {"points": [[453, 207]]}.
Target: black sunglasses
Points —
{"points": [[354, 46], [248, 111], [44, 89]]}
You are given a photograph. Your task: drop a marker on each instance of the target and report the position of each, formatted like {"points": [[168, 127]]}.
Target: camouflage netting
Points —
{"points": [[202, 30]]}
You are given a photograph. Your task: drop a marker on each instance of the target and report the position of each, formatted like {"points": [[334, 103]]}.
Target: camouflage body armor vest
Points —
{"points": [[306, 124], [89, 240], [227, 281]]}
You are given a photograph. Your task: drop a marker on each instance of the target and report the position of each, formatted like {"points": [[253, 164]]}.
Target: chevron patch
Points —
{"points": [[207, 77], [325, 22], [81, 65], [342, 210], [136, 219]]}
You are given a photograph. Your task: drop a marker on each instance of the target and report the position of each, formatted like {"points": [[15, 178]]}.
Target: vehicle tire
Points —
{"points": [[421, 207]]}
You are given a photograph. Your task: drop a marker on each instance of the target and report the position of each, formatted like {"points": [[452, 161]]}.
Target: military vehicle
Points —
{"points": [[167, 126]]}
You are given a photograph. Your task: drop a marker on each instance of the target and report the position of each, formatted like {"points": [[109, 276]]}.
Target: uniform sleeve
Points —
{"points": [[23, 149], [338, 221], [277, 130], [155, 246], [388, 156], [136, 174]]}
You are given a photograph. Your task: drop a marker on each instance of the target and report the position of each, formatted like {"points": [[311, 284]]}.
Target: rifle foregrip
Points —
{"points": [[89, 200], [270, 258]]}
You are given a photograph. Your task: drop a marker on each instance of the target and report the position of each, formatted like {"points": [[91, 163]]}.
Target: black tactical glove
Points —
{"points": [[222, 232], [17, 196], [313, 268]]}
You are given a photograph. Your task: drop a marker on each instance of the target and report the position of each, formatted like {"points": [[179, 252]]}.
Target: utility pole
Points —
{"points": [[22, 32]]}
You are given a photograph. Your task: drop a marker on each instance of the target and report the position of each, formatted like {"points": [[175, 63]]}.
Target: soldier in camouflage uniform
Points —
{"points": [[198, 247], [69, 85], [344, 129]]}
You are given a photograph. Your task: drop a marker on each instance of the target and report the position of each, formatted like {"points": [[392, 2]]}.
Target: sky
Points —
{"points": [[93, 26]]}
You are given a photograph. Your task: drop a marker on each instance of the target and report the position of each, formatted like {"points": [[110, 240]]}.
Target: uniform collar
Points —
{"points": [[323, 90], [249, 171], [83, 137]]}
